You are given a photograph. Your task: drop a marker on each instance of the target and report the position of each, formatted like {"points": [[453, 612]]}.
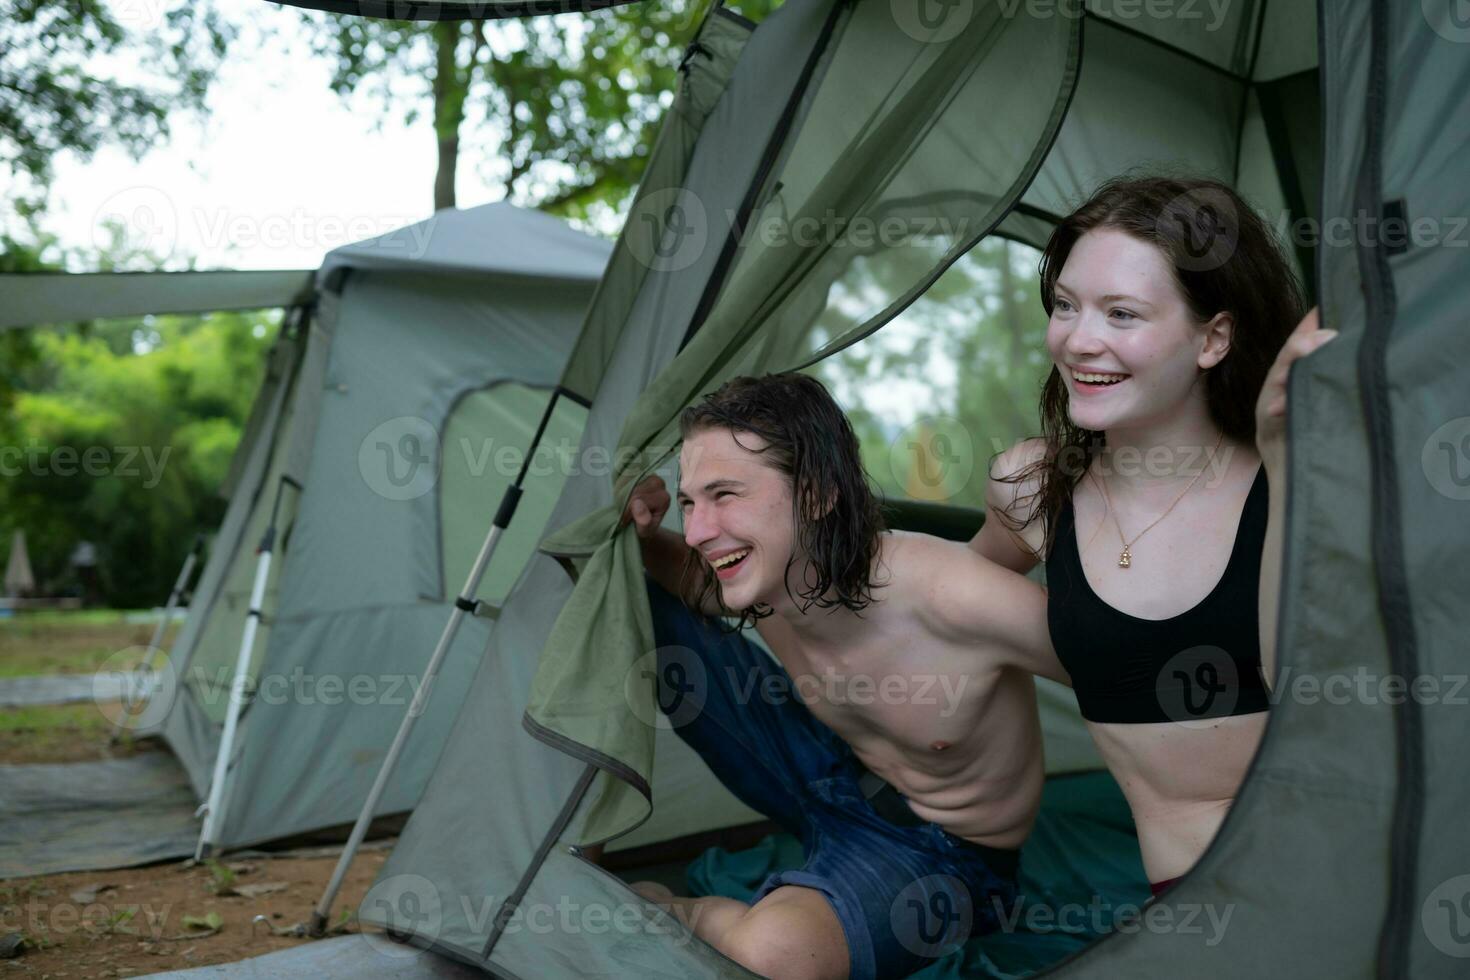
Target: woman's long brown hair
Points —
{"points": [[1225, 259]]}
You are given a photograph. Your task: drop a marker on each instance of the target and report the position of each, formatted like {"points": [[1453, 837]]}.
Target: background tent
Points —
{"points": [[396, 408], [851, 107]]}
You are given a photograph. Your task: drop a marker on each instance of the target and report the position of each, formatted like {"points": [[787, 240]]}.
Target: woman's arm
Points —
{"points": [[1271, 443], [1008, 502]]}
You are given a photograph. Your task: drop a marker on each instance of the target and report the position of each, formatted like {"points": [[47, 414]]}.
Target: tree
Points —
{"points": [[564, 108], [62, 84], [967, 358], [122, 437]]}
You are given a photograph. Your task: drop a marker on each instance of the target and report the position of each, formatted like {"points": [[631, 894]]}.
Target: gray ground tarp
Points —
{"points": [[19, 692], [94, 815], [346, 957]]}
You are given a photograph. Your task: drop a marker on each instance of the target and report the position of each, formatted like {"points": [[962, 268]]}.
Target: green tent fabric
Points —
{"points": [[894, 131]]}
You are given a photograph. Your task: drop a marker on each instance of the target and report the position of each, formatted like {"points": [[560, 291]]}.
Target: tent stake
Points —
{"points": [[211, 808], [142, 679]]}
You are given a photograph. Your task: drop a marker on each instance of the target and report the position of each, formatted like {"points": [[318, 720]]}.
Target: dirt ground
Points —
{"points": [[141, 920], [149, 920]]}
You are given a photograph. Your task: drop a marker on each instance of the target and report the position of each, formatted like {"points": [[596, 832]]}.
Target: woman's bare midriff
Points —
{"points": [[1180, 780]]}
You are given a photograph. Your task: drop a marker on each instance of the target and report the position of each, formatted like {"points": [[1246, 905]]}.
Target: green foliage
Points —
{"points": [[568, 106], [221, 877], [122, 437], [60, 84], [972, 350]]}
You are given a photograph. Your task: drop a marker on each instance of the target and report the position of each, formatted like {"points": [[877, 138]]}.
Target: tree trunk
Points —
{"points": [[449, 97], [1011, 323]]}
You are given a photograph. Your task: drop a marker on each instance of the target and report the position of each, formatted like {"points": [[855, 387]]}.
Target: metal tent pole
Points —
{"points": [[141, 680], [463, 603], [212, 807]]}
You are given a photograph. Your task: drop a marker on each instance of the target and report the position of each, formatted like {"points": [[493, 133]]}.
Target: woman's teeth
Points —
{"points": [[1098, 379]]}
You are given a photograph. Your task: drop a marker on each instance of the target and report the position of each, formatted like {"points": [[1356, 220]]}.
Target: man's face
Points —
{"points": [[737, 515]]}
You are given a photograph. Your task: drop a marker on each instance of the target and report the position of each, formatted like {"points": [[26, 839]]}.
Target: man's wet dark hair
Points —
{"points": [[809, 439]]}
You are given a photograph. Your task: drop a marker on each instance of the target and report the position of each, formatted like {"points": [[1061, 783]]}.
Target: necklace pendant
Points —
{"points": [[1126, 558]]}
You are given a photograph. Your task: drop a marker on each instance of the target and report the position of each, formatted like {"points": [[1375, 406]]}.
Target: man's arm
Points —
{"points": [[972, 599], [1271, 444]]}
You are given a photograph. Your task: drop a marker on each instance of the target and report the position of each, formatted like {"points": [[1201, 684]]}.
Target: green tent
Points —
{"points": [[396, 406], [952, 123]]}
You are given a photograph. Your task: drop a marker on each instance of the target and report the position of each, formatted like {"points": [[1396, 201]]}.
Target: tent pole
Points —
{"points": [[463, 603], [142, 680], [212, 806], [553, 834]]}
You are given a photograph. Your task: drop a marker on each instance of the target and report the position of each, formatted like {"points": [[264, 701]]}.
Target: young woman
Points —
{"points": [[1146, 494]]}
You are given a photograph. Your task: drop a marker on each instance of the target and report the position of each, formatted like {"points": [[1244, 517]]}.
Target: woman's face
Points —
{"points": [[1128, 349]]}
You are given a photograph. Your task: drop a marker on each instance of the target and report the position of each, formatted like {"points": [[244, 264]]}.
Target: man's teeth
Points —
{"points": [[730, 559], [1098, 378]]}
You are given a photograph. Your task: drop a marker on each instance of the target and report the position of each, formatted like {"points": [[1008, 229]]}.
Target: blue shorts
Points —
{"points": [[904, 894]]}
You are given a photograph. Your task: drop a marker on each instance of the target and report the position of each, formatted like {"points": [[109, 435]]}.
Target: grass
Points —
{"points": [[56, 733], [65, 642], [77, 642], [73, 617]]}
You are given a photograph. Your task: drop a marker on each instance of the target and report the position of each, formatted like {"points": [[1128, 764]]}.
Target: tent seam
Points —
{"points": [[1385, 537]]}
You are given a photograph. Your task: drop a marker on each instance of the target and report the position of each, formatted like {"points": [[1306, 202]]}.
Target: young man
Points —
{"points": [[898, 734]]}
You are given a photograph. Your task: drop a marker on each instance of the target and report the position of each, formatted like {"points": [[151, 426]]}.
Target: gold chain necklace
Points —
{"points": [[1125, 557]]}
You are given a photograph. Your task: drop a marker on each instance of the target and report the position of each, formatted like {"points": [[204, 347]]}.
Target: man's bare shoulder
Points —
{"points": [[947, 579], [966, 599]]}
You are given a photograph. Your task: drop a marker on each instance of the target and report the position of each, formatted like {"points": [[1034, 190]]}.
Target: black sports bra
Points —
{"points": [[1204, 663]]}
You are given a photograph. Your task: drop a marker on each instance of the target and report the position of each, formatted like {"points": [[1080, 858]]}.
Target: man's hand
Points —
{"points": [[1271, 405], [665, 554], [646, 507]]}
